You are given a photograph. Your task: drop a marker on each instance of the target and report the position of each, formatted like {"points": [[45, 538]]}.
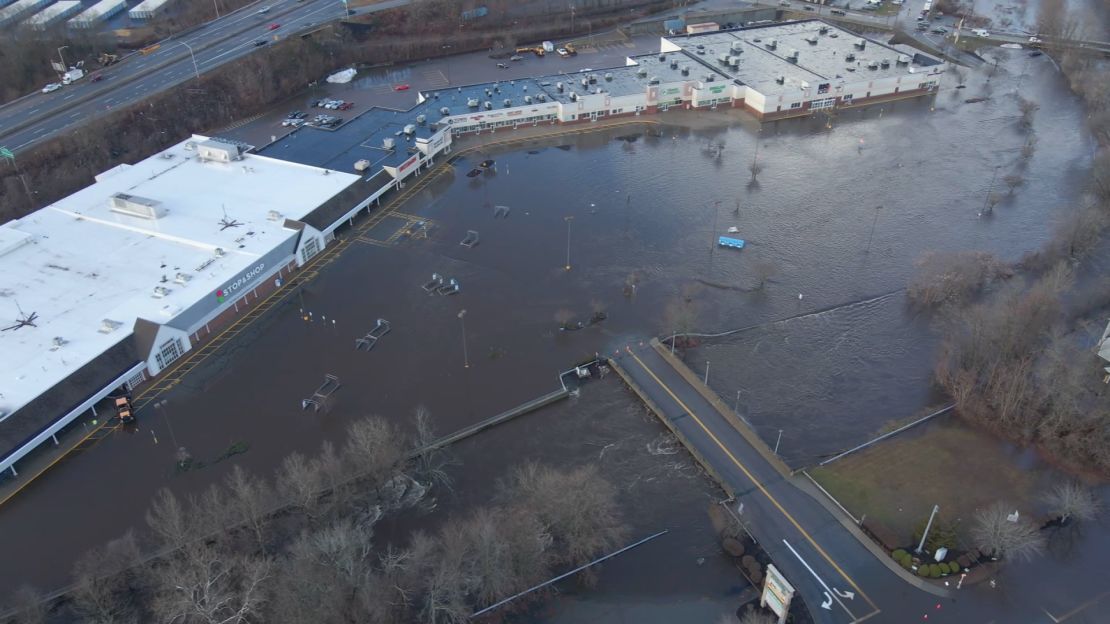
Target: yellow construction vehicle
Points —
{"points": [[105, 59]]}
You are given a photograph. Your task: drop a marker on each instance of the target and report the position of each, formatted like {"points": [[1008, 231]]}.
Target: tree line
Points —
{"points": [[301, 547]]}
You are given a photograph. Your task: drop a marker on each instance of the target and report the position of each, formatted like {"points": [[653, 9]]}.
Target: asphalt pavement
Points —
{"points": [[179, 59]]}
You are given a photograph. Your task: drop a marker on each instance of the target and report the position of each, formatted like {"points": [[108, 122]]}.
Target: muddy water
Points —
{"points": [[647, 205]]}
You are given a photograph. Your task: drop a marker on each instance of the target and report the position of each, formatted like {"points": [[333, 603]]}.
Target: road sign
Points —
{"points": [[777, 593]]}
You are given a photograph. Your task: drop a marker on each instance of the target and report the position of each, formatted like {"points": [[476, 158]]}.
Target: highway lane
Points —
{"points": [[41, 116]]}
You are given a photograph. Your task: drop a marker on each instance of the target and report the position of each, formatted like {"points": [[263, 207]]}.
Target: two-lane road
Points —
{"points": [[40, 116]]}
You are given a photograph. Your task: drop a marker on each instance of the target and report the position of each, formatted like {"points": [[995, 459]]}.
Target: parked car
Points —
{"points": [[1035, 40], [52, 87], [401, 87], [837, 12], [516, 57], [502, 66], [562, 52], [274, 26], [259, 43], [939, 31], [264, 10], [807, 8], [346, 106], [297, 114]]}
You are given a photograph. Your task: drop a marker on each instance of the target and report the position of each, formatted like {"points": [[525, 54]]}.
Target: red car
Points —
{"points": [[346, 106], [274, 26], [401, 87]]}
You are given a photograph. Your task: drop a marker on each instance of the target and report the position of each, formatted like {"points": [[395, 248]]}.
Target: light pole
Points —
{"points": [[873, 222], [63, 60], [928, 526], [568, 220], [779, 439], [462, 321], [161, 407], [217, 7], [706, 380], [448, 47], [196, 70]]}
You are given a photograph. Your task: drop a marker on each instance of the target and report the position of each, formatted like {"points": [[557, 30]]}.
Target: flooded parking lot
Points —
{"points": [[646, 204]]}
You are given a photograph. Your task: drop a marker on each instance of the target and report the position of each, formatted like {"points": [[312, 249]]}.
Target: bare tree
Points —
{"points": [[102, 588], [1028, 109], [28, 606], [431, 460], [1012, 181], [167, 518], [299, 481], [951, 277], [578, 507], [374, 449], [251, 501], [756, 615], [764, 271], [1072, 499], [202, 583], [997, 536]]}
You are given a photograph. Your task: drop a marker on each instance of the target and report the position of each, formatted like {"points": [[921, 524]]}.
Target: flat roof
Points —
{"points": [[58, 10], [823, 50], [76, 263], [98, 10]]}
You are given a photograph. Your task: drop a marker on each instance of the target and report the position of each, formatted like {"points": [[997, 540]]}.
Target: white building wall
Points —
{"points": [[169, 345]]}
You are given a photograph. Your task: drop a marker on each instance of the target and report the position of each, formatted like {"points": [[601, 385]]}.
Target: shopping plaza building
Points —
{"points": [[103, 290]]}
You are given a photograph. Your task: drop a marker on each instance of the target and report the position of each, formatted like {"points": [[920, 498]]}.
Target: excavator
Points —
{"points": [[538, 50], [106, 58]]}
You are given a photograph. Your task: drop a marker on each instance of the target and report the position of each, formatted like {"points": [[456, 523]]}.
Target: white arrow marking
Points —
{"points": [[828, 602], [826, 587], [847, 594]]}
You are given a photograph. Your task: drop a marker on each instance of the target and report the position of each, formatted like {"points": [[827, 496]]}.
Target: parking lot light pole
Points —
{"points": [[568, 220], [462, 321], [196, 70], [62, 58]]}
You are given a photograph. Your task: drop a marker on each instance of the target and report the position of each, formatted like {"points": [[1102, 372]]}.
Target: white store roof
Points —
{"points": [[78, 262], [98, 10]]}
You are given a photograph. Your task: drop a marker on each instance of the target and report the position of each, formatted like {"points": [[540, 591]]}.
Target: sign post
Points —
{"points": [[777, 593]]}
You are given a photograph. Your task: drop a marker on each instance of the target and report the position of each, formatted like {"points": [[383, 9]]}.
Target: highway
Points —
{"points": [[40, 116]]}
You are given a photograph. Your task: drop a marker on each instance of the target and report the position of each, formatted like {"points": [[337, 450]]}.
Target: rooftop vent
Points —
{"points": [[508, 102], [472, 102], [166, 156], [159, 292], [421, 119], [445, 111], [559, 86], [903, 59], [736, 47], [388, 143], [273, 215], [711, 77], [662, 58], [527, 99], [824, 30], [885, 63], [674, 65], [608, 76], [489, 105], [585, 82], [812, 39], [641, 71], [592, 78], [573, 96], [135, 206], [57, 343], [860, 43], [220, 253], [182, 278], [792, 56], [541, 97], [217, 151], [190, 146], [781, 80], [772, 44], [872, 65], [654, 80], [685, 70], [850, 58], [108, 326], [734, 62]]}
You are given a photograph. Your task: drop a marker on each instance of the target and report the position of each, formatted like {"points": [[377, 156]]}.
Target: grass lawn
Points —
{"points": [[897, 482]]}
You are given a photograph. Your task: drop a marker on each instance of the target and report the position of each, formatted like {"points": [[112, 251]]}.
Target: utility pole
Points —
{"points": [[873, 222], [62, 58], [568, 220], [706, 380], [928, 526], [217, 7], [462, 321]]}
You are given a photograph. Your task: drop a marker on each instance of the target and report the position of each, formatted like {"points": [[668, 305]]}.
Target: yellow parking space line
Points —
{"points": [[751, 477]]}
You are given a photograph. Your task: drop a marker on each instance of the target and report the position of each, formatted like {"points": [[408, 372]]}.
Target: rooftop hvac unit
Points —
{"points": [[736, 47], [472, 102], [593, 78], [608, 76], [654, 80], [541, 97], [183, 278], [217, 151], [488, 92], [723, 59], [812, 39], [662, 58], [559, 86], [585, 82], [641, 72], [781, 80], [409, 129], [573, 96], [135, 206], [711, 78], [57, 343], [489, 105], [772, 43], [823, 30], [420, 119], [674, 65], [685, 70], [860, 43], [850, 58], [527, 99], [885, 63], [872, 65], [273, 215], [160, 292], [734, 62], [108, 326], [219, 252], [388, 143], [903, 59], [166, 156], [507, 102], [445, 111], [792, 56]]}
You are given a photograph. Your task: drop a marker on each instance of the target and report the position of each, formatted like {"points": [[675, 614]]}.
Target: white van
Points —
{"points": [[979, 32], [548, 46]]}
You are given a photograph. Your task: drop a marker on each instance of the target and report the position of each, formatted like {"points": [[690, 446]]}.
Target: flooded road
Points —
{"points": [[646, 206]]}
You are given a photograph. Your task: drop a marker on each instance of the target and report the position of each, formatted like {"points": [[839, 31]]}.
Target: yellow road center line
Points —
{"points": [[757, 483]]}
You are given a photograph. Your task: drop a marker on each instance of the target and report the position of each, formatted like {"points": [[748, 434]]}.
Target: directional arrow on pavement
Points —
{"points": [[828, 602], [845, 594]]}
